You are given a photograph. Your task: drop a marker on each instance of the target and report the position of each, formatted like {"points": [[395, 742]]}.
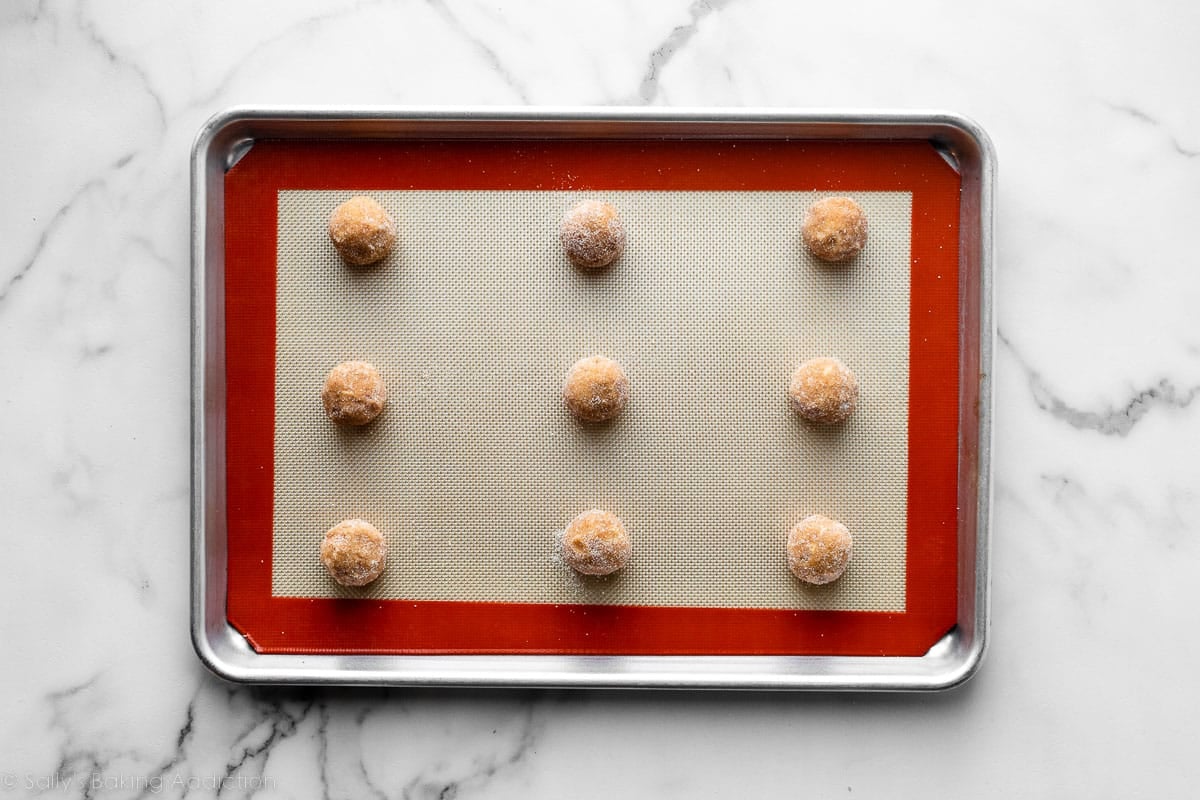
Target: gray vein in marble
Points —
{"points": [[55, 220], [185, 731], [1111, 421], [1167, 522], [307, 23], [420, 788], [323, 748], [178, 755], [22, 16], [90, 353], [1142, 116], [88, 29], [147, 245], [77, 763], [376, 792], [75, 760], [676, 40], [73, 480], [71, 691], [1111, 514], [480, 47], [370, 784], [281, 724], [1059, 482]]}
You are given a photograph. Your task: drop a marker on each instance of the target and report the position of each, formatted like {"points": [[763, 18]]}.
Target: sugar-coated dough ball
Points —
{"points": [[596, 389], [595, 543], [835, 229], [592, 234], [823, 390], [362, 232], [354, 552], [354, 393], [818, 549]]}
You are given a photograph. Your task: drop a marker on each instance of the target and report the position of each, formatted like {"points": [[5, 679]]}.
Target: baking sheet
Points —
{"points": [[244, 633]]}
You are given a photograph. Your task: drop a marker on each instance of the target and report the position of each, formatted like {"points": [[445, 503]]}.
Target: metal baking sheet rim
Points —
{"points": [[955, 658]]}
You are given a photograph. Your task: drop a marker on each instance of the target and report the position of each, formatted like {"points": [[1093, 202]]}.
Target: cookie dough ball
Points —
{"points": [[354, 393], [596, 389], [595, 543], [835, 229], [354, 552], [362, 232], [592, 234], [818, 549], [823, 390]]}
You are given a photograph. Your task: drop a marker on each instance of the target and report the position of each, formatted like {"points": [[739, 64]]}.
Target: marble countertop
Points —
{"points": [[1086, 688]]}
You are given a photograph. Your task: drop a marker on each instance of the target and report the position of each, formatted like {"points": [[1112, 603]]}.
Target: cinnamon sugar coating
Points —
{"points": [[354, 393], [818, 549], [596, 543], [592, 234], [596, 389], [362, 232], [823, 390], [835, 229], [354, 552]]}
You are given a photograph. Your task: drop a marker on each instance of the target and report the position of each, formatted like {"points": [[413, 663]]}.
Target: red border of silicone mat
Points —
{"points": [[291, 625]]}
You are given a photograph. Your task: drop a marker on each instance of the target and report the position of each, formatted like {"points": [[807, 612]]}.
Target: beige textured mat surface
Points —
{"points": [[475, 465]]}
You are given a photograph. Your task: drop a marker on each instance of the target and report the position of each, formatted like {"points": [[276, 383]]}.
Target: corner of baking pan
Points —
{"points": [[954, 659], [225, 137], [219, 663]]}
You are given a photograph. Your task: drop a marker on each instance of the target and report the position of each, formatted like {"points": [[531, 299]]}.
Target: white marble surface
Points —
{"points": [[1089, 688]]}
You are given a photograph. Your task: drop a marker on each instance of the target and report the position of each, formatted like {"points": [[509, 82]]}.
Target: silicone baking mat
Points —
{"points": [[474, 322], [475, 467]]}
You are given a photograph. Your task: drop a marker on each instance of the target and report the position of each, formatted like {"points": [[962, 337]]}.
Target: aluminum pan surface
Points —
{"points": [[227, 136]]}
